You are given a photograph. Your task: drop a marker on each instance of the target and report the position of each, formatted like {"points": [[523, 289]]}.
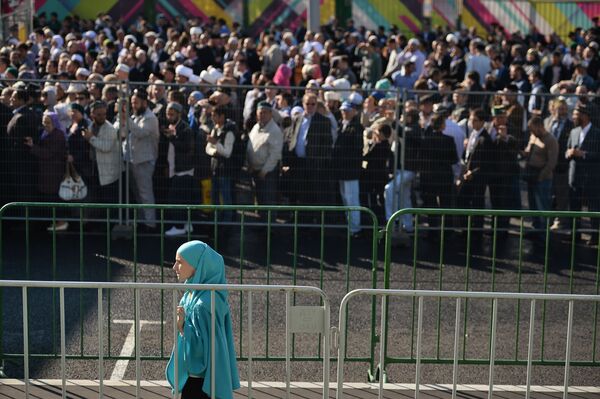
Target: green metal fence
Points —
{"points": [[508, 258], [299, 238]]}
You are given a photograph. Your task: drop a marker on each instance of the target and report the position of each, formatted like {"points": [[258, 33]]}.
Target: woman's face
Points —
{"points": [[182, 269], [47, 123]]}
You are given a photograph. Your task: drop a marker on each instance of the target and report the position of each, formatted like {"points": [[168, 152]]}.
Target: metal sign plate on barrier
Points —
{"points": [[307, 319]]}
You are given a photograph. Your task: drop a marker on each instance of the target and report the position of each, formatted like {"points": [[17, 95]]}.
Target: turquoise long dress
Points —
{"points": [[194, 345]]}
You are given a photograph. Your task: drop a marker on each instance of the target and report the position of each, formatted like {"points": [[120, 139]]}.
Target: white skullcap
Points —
{"points": [[195, 30], [182, 70], [122, 68], [83, 71]]}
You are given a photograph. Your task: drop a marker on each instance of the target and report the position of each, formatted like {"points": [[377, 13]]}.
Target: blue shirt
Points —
{"points": [[302, 134]]}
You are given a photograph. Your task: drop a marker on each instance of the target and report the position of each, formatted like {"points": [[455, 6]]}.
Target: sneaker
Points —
{"points": [[61, 226], [174, 231], [556, 225]]}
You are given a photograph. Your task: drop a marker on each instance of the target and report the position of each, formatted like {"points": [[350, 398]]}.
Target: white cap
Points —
{"points": [[343, 87], [83, 71], [414, 41], [211, 75], [150, 34], [195, 30], [130, 37], [122, 68], [355, 98], [194, 79], [182, 70], [76, 88], [451, 38], [90, 35], [77, 57]]}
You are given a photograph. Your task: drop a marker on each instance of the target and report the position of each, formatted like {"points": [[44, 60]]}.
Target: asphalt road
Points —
{"points": [[342, 268]]}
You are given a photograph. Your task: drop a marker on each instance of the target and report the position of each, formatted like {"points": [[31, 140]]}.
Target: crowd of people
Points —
{"points": [[347, 115]]}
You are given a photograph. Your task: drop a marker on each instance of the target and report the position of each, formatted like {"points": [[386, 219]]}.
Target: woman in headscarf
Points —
{"points": [[80, 152], [197, 263], [51, 152]]}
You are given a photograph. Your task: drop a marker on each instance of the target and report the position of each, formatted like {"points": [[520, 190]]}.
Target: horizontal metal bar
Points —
{"points": [[468, 294]]}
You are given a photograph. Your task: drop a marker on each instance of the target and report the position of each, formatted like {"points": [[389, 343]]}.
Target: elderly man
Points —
{"points": [[103, 138], [347, 161], [265, 145], [141, 134], [307, 154]]}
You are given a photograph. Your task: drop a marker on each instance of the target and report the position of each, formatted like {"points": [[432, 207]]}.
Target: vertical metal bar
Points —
{"points": [[216, 228], [493, 347], [342, 351], [414, 285], [287, 343], [384, 319], [27, 260], [546, 255], [326, 349], [520, 276], [25, 341], [268, 282], [468, 265], [174, 303], [419, 339], [572, 271], [138, 329], [240, 352], [250, 375], [595, 332], [135, 244], [189, 224], [108, 276], [568, 352], [100, 345], [321, 267], [162, 280], [81, 276], [440, 282], [62, 341], [54, 279], [456, 343], [530, 348], [213, 356], [295, 272]]}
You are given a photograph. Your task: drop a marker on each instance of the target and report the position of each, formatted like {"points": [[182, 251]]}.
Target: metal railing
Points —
{"points": [[279, 242], [461, 297], [552, 252], [315, 320]]}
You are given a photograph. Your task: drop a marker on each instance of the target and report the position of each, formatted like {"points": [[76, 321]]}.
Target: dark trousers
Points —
{"points": [[181, 192], [437, 195], [502, 197], [309, 184], [472, 196], [193, 389], [586, 195]]}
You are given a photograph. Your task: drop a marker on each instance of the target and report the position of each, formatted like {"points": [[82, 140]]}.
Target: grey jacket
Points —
{"points": [[141, 143]]}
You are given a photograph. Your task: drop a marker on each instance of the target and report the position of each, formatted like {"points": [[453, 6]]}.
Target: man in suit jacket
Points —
{"points": [[347, 160], [560, 126], [479, 163], [555, 71], [307, 154], [21, 166], [583, 153]]}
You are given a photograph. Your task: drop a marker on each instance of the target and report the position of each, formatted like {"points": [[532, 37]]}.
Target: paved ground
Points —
{"points": [[342, 267]]}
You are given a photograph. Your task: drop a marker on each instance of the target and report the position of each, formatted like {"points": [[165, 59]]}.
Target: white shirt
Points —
{"points": [[458, 135], [472, 140], [583, 133]]}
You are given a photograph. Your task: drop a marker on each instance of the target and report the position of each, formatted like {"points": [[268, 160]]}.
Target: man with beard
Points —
{"points": [[141, 134]]}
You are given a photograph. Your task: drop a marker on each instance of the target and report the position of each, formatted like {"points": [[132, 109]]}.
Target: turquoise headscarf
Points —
{"points": [[194, 345]]}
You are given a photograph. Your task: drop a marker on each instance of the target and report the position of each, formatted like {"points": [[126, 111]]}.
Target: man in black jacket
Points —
{"points": [[180, 157], [560, 126], [439, 154], [479, 162], [583, 153], [347, 161], [307, 155]]}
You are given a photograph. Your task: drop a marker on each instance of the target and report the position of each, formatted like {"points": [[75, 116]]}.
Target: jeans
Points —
{"points": [[540, 199], [403, 185], [221, 194], [349, 190]]}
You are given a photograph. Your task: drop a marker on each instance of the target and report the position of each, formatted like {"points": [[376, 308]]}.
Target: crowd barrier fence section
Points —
{"points": [[254, 251], [460, 310], [298, 319], [448, 248]]}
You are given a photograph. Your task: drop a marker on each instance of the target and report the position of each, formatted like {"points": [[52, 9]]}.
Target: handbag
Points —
{"points": [[72, 188]]}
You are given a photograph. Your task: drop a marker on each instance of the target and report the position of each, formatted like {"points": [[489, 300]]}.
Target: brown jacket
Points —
{"points": [[543, 154]]}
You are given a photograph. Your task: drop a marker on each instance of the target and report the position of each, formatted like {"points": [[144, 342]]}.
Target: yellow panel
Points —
{"points": [[256, 8], [392, 10], [327, 11], [210, 8], [90, 9], [468, 20]]}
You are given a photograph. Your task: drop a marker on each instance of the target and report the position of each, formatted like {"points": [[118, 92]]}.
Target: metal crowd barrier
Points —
{"points": [[460, 297], [298, 319], [239, 246], [566, 255]]}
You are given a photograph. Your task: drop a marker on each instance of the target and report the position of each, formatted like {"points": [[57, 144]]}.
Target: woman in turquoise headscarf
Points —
{"points": [[197, 263]]}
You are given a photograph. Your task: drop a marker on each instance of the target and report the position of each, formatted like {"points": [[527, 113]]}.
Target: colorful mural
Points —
{"points": [[548, 16]]}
